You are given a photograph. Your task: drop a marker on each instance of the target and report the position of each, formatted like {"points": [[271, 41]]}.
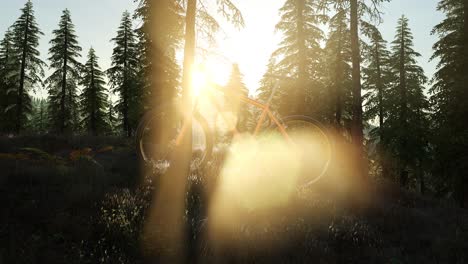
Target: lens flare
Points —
{"points": [[261, 189], [200, 80], [259, 175]]}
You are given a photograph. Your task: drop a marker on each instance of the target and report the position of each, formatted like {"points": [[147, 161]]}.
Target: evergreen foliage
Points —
{"points": [[39, 117], [299, 57], [112, 117], [29, 72], [448, 100], [62, 84], [338, 57], [93, 99], [319, 74], [406, 124], [123, 74], [376, 81], [8, 89], [158, 73]]}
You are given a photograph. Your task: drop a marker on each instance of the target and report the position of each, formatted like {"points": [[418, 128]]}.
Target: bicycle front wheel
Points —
{"points": [[314, 144], [158, 132]]}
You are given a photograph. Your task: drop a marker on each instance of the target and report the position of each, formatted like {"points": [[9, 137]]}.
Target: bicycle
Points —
{"points": [[156, 149]]}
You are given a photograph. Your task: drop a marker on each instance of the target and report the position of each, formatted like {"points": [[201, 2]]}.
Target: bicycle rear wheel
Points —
{"points": [[157, 134], [314, 146]]}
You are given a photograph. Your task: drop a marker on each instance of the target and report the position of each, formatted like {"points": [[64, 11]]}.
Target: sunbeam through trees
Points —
{"points": [[131, 133]]}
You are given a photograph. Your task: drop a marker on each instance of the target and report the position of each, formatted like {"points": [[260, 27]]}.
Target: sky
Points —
{"points": [[96, 22]]}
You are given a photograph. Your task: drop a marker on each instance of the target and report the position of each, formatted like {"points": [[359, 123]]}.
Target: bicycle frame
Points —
{"points": [[266, 113]]}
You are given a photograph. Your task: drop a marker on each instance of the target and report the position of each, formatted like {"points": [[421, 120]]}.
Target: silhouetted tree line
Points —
{"points": [[411, 128]]}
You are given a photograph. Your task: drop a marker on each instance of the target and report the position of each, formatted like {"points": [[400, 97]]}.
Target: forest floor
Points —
{"points": [[79, 200]]}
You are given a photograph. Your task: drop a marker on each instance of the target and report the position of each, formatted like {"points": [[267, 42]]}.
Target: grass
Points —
{"points": [[92, 210]]}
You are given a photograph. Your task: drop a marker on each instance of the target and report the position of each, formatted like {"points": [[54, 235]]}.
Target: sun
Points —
{"points": [[207, 74], [200, 80]]}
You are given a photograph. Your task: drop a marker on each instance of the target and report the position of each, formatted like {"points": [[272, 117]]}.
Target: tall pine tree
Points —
{"points": [[376, 77], [25, 41], [159, 35], [448, 98], [338, 54], [407, 124], [299, 57], [123, 73], [358, 11], [377, 81], [63, 82], [93, 100]]}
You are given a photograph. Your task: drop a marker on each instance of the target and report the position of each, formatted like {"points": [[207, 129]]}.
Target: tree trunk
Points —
{"points": [[41, 117], [189, 53], [465, 94], [403, 106], [166, 219], [381, 108], [125, 98], [465, 39], [64, 84], [380, 90], [338, 81], [186, 150], [93, 104], [356, 127], [299, 97], [19, 110]]}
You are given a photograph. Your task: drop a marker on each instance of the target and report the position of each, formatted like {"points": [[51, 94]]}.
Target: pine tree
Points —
{"points": [[7, 83], [25, 41], [376, 80], [407, 114], [351, 21], [358, 10], [237, 88], [123, 73], [93, 100], [158, 59], [448, 98], [63, 82], [338, 54], [158, 74], [299, 57], [267, 82]]}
